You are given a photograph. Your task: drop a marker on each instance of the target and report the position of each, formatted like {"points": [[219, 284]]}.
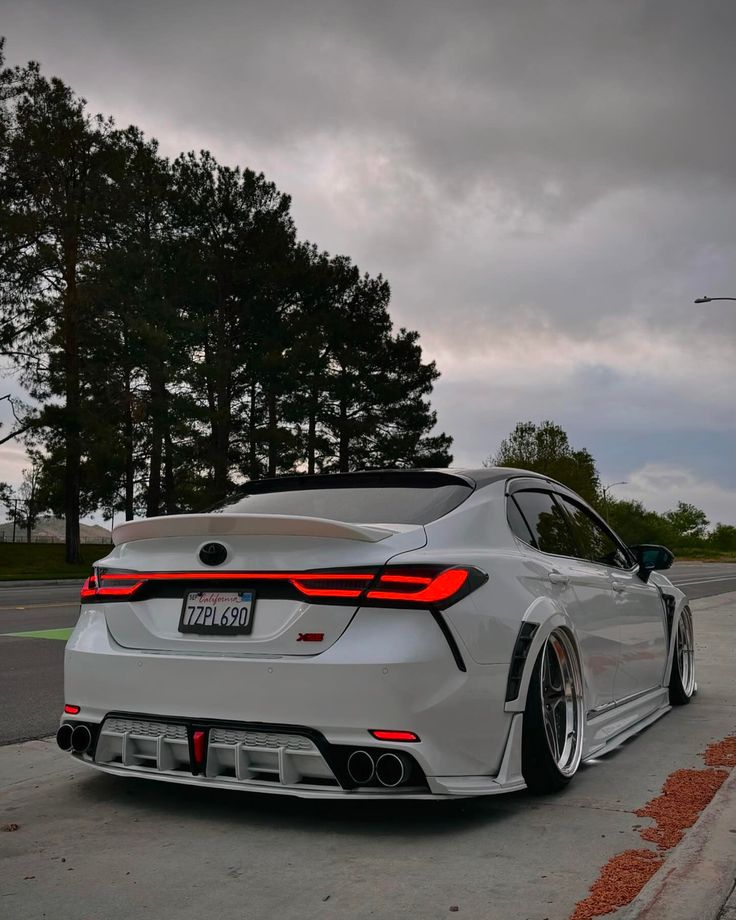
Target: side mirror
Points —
{"points": [[651, 558]]}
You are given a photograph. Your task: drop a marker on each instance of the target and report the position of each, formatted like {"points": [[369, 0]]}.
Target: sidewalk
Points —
{"points": [[696, 881]]}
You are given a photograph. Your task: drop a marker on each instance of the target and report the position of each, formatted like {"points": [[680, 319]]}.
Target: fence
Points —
{"points": [[20, 537]]}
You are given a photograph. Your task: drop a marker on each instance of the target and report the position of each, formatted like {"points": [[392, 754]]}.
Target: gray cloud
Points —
{"points": [[545, 184]]}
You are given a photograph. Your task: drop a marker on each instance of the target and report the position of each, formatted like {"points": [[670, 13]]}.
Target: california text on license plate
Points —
{"points": [[218, 612]]}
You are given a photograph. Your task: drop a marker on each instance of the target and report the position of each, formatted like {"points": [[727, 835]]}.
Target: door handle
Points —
{"points": [[557, 578], [618, 586]]}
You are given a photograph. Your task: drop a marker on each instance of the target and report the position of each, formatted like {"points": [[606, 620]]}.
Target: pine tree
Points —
{"points": [[56, 164]]}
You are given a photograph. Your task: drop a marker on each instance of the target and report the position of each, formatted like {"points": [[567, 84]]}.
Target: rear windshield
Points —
{"points": [[361, 498]]}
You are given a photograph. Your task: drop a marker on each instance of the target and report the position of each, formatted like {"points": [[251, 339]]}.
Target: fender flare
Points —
{"points": [[548, 616], [681, 603]]}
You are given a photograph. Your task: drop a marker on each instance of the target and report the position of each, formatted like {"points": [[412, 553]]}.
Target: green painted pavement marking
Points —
{"points": [[62, 634]]}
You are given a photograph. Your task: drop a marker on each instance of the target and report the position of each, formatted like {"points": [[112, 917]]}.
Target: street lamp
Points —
{"points": [[606, 489], [711, 299]]}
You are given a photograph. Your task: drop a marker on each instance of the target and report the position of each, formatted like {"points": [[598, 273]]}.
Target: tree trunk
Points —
{"points": [[169, 488], [129, 463], [129, 466], [344, 448], [158, 427], [72, 437], [312, 430], [344, 437], [254, 468], [273, 454], [222, 420]]}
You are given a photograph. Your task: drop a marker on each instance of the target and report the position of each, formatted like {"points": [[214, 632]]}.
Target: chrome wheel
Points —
{"points": [[685, 652], [562, 702]]}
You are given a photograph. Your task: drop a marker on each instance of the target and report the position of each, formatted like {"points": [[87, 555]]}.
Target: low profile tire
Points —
{"points": [[682, 677], [552, 737]]}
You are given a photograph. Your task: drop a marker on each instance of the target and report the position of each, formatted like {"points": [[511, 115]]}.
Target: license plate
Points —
{"points": [[218, 612]]}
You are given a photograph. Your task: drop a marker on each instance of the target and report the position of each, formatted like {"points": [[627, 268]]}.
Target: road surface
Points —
{"points": [[89, 845]]}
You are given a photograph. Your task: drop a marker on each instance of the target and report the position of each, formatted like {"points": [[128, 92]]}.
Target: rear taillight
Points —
{"points": [[403, 586], [102, 587], [427, 589], [331, 584], [395, 586]]}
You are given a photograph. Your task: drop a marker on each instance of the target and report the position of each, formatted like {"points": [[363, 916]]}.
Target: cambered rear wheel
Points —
{"points": [[682, 676], [552, 739]]}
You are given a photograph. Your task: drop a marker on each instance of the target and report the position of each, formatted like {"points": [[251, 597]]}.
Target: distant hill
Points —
{"points": [[52, 530]]}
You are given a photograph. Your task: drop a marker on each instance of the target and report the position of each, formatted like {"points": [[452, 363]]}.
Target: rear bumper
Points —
{"points": [[386, 671]]}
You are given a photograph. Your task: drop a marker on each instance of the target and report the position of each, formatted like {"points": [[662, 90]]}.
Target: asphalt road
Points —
{"points": [[31, 667], [90, 845]]}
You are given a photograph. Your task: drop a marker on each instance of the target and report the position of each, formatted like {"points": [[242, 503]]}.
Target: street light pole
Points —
{"points": [[711, 299], [605, 490]]}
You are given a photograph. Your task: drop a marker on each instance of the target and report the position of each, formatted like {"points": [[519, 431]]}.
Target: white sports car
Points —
{"points": [[416, 634]]}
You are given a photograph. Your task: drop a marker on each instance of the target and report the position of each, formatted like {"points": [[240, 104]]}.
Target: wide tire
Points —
{"points": [[682, 676], [551, 741]]}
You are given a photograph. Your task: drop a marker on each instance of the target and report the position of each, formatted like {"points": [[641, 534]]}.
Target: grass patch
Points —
{"points": [[46, 560], [703, 554]]}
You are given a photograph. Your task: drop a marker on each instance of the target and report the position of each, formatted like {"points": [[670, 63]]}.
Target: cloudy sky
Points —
{"points": [[547, 185]]}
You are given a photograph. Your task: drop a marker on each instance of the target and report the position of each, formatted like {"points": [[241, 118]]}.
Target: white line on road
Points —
{"points": [[705, 581], [40, 606]]}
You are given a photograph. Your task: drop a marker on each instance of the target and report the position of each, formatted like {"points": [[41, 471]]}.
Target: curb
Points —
{"points": [[698, 875], [40, 582]]}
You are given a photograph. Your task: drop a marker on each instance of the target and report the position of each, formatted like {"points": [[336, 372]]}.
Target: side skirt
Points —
{"points": [[608, 730]]}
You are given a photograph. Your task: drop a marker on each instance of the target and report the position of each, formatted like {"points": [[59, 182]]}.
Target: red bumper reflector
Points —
{"points": [[385, 735], [71, 710], [198, 748]]}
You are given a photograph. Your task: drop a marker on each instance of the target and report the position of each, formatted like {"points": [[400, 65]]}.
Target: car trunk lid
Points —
{"points": [[285, 622]]}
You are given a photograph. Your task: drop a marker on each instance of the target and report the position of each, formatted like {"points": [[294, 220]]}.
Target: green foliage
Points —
{"points": [[687, 522], [635, 524], [723, 538], [176, 334], [25, 504], [545, 448]]}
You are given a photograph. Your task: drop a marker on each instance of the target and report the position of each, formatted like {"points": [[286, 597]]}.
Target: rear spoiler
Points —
{"points": [[222, 525]]}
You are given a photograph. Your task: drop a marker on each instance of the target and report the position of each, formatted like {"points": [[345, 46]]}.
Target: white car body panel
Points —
{"points": [[443, 677], [153, 624]]}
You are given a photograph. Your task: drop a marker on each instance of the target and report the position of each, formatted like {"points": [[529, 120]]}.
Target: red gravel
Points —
{"points": [[620, 881], [721, 753], [684, 795]]}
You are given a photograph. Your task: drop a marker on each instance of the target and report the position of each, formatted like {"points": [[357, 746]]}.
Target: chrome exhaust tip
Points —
{"points": [[392, 769], [361, 768], [64, 737], [81, 739]]}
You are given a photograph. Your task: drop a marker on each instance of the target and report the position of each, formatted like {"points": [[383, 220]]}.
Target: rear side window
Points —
{"points": [[595, 542], [547, 523], [517, 523], [381, 498]]}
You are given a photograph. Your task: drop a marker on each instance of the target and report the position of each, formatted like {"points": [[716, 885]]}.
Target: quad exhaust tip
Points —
{"points": [[81, 739], [75, 738], [392, 769], [64, 737], [361, 768]]}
